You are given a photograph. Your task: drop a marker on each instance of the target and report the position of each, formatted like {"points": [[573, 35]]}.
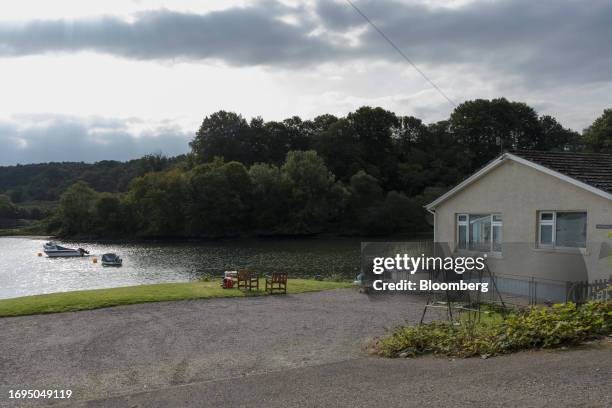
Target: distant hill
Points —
{"points": [[46, 181]]}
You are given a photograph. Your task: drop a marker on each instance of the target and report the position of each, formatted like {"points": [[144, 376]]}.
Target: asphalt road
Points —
{"points": [[534, 379], [297, 350]]}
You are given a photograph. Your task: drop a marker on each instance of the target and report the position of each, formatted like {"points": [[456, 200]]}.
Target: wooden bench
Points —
{"points": [[277, 282]]}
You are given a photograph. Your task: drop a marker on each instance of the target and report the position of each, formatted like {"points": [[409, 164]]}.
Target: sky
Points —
{"points": [[117, 79]]}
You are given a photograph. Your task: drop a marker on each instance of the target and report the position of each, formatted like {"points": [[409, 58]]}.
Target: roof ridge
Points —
{"points": [[550, 152]]}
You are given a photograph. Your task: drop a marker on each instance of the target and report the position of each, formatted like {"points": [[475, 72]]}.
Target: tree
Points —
{"points": [[310, 186], [373, 129], [157, 202], [555, 136], [269, 199], [152, 162], [109, 214], [7, 208], [339, 147], [484, 128], [403, 214], [75, 209], [219, 200], [598, 136], [365, 203], [223, 134]]}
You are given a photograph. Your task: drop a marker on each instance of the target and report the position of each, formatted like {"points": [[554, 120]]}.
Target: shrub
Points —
{"points": [[540, 327]]}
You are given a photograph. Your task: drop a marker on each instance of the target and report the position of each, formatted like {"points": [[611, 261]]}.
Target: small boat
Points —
{"points": [[56, 251], [111, 260]]}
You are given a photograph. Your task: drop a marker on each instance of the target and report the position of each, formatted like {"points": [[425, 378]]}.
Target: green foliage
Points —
{"points": [[222, 134], [269, 198], [218, 200], [310, 186], [540, 327], [367, 173], [598, 136], [7, 208], [156, 202], [111, 217], [47, 181], [76, 209], [480, 124]]}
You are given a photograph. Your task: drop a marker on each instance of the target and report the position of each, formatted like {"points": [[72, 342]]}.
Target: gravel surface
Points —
{"points": [[282, 351], [135, 348]]}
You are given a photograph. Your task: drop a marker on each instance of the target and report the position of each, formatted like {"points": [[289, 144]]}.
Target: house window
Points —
{"points": [[479, 232], [462, 228], [562, 229]]}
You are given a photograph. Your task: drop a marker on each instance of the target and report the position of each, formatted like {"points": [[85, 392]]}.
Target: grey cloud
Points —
{"points": [[543, 41], [534, 42], [239, 36], [64, 138]]}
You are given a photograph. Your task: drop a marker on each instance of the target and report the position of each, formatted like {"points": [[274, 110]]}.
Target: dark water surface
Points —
{"points": [[22, 272]]}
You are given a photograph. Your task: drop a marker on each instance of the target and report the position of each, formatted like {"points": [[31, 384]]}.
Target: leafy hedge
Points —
{"points": [[540, 327]]}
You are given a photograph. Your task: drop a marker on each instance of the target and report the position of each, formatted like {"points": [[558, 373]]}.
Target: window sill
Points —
{"points": [[581, 251], [466, 252]]}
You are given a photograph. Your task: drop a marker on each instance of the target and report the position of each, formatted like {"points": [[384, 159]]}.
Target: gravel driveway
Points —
{"points": [[282, 351], [134, 348]]}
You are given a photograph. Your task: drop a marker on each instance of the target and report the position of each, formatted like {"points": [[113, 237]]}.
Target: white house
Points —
{"points": [[537, 215]]}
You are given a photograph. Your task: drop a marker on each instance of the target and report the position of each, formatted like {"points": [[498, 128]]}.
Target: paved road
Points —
{"points": [[580, 378], [300, 350]]}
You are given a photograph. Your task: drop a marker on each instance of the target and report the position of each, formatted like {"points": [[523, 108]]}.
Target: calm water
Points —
{"points": [[22, 272]]}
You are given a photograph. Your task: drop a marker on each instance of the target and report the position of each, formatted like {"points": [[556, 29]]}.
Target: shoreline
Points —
{"points": [[397, 237]]}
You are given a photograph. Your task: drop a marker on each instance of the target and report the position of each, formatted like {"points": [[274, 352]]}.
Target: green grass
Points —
{"points": [[99, 298], [34, 228], [488, 316]]}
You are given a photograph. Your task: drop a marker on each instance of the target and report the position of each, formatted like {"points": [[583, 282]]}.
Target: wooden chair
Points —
{"points": [[277, 282], [246, 279], [242, 277], [253, 281]]}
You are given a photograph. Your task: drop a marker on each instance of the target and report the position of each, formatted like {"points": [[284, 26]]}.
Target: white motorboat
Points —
{"points": [[52, 250], [111, 260]]}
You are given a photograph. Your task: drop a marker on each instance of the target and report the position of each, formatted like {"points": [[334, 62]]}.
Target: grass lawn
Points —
{"points": [[99, 298]]}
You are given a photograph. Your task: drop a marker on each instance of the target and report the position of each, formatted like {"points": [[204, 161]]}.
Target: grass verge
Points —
{"points": [[99, 298], [539, 327]]}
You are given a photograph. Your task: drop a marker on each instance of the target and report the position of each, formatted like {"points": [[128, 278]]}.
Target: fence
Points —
{"points": [[519, 290], [580, 292]]}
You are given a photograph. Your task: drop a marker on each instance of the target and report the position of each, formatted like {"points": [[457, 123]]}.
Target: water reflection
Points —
{"points": [[22, 272]]}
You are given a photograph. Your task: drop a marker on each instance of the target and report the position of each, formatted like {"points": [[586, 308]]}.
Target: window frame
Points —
{"points": [[553, 224], [466, 222]]}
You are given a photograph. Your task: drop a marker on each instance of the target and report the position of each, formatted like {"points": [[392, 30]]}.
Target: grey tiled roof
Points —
{"points": [[594, 169]]}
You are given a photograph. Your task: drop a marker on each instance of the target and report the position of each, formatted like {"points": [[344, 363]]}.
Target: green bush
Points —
{"points": [[539, 327]]}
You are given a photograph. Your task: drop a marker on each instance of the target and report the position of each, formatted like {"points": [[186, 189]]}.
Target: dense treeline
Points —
{"points": [[46, 181], [228, 199], [367, 173]]}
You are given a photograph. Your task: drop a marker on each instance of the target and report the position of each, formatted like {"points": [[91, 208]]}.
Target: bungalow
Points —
{"points": [[544, 216]]}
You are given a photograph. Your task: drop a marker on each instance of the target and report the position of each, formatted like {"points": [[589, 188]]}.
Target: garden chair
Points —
{"points": [[277, 282], [247, 280]]}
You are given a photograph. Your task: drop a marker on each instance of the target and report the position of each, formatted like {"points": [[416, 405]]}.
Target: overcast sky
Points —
{"points": [[116, 79]]}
